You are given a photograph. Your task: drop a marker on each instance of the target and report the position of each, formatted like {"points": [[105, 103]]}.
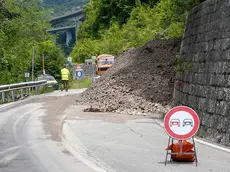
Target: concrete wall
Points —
{"points": [[205, 68], [89, 70]]}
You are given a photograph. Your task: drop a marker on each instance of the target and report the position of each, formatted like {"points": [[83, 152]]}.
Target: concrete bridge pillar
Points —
{"points": [[77, 23], [69, 37]]}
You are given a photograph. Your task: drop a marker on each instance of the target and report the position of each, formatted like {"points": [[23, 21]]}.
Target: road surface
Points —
{"points": [[30, 136], [50, 133]]}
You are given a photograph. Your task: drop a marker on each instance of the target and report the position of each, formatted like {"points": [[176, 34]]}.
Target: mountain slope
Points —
{"points": [[61, 6], [113, 26]]}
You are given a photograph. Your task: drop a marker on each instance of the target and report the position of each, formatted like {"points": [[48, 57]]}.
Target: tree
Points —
{"points": [[22, 26], [113, 26], [54, 59]]}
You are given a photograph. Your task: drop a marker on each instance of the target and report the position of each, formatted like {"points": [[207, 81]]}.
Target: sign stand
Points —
{"points": [[181, 123], [180, 153]]}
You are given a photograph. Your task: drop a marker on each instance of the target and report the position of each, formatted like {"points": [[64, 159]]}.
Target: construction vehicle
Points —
{"points": [[103, 63]]}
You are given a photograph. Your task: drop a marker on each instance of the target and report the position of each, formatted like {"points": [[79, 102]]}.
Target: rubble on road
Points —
{"points": [[139, 83]]}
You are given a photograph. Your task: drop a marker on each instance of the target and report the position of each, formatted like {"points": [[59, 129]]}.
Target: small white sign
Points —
{"points": [[27, 74], [181, 123], [79, 74], [70, 59]]}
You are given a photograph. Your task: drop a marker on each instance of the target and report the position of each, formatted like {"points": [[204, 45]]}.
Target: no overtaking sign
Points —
{"points": [[181, 123]]}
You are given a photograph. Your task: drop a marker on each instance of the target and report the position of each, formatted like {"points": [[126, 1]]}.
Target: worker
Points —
{"points": [[65, 78], [106, 61]]}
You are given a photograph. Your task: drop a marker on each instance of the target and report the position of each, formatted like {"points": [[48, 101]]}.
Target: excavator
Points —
{"points": [[103, 63]]}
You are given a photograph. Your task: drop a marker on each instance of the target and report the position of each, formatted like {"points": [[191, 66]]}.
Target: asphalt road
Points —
{"points": [[42, 135], [131, 144], [30, 142]]}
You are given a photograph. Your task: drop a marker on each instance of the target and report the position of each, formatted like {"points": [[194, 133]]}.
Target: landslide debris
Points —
{"points": [[139, 83]]}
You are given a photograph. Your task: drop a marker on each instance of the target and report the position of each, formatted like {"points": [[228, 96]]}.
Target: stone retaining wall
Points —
{"points": [[204, 72], [89, 70]]}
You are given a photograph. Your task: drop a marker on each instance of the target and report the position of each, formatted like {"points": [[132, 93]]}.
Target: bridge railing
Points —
{"points": [[16, 91]]}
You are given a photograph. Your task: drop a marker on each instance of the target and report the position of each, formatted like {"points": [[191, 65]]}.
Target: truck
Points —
{"points": [[103, 63]]}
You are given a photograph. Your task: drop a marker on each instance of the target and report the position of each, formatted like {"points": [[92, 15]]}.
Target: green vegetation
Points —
{"points": [[22, 26], [81, 83], [46, 90], [42, 91], [54, 59], [180, 66], [113, 26]]}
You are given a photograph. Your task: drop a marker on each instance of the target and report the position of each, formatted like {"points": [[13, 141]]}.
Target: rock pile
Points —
{"points": [[139, 83]]}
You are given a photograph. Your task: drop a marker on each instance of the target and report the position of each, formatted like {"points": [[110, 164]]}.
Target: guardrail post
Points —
{"points": [[22, 93], [36, 90], [40, 88], [12, 95], [29, 89], [3, 97]]}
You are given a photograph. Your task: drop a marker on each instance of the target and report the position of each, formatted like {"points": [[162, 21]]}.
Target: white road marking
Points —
{"points": [[213, 145], [202, 141], [9, 150], [63, 118], [81, 152], [8, 158]]}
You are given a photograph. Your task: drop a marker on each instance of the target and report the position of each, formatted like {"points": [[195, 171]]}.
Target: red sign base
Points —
{"points": [[169, 152]]}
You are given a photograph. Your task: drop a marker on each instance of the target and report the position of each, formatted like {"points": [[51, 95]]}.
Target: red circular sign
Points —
{"points": [[78, 67], [181, 123]]}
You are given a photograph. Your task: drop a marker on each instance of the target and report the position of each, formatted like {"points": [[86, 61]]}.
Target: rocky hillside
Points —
{"points": [[140, 82]]}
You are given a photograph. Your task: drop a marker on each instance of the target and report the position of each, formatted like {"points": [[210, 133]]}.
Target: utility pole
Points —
{"points": [[43, 64], [93, 70], [77, 23], [93, 58], [33, 63], [75, 28]]}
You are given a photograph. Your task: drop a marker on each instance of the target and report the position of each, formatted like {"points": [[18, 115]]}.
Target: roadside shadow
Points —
{"points": [[146, 122], [177, 163]]}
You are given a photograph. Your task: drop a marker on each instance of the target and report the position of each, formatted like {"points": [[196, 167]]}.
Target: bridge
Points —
{"points": [[55, 30], [66, 26], [77, 15]]}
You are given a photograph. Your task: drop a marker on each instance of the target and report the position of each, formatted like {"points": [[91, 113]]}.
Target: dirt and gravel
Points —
{"points": [[139, 83]]}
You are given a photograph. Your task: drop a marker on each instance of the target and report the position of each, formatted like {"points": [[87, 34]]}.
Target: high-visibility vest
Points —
{"points": [[65, 74]]}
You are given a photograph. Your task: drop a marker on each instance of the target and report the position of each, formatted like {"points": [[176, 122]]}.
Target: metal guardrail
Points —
{"points": [[24, 87]]}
